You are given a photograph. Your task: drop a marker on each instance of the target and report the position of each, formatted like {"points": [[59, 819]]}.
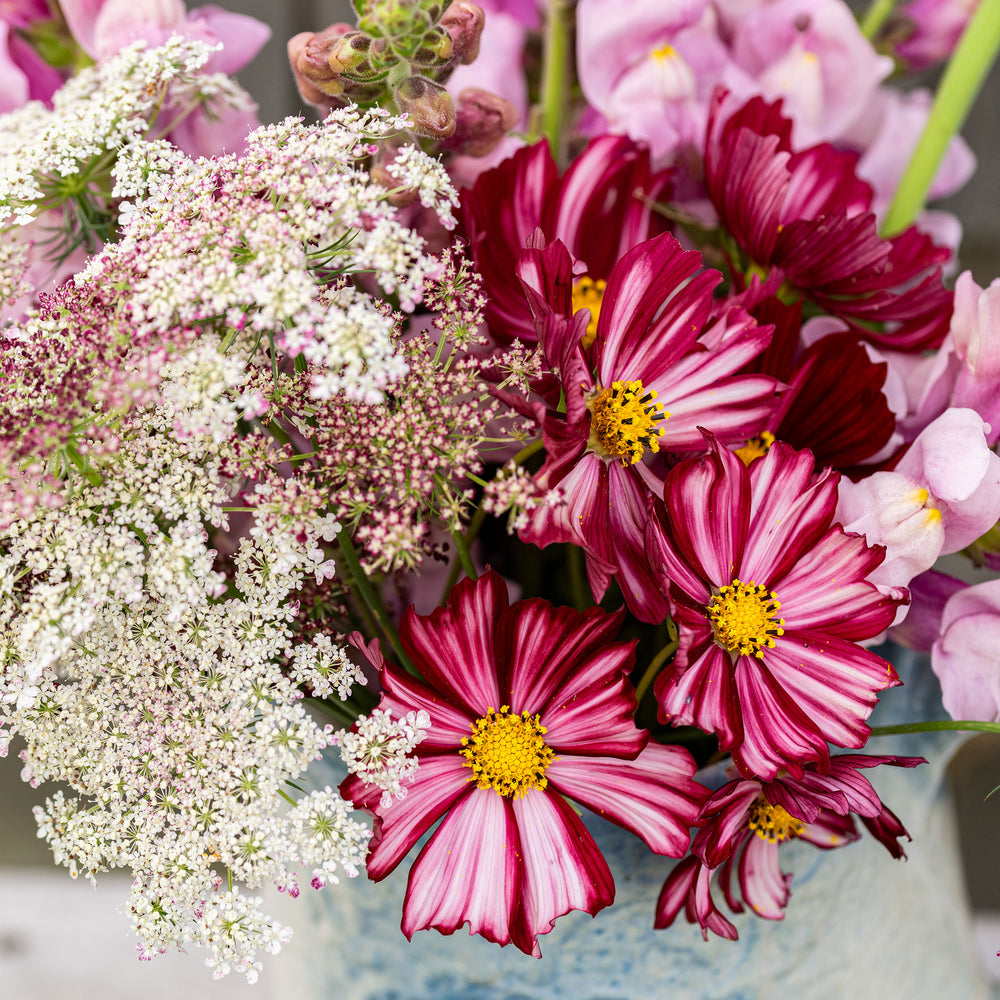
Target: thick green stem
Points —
{"points": [[555, 75], [462, 548], [876, 15], [947, 725], [577, 570], [962, 80], [369, 598]]}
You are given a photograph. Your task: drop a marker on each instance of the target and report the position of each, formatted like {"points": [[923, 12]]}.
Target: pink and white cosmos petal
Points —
{"points": [[689, 884], [452, 647], [777, 734], [704, 695], [835, 682], [791, 508], [666, 566], [450, 724], [540, 646], [654, 795], [631, 302], [438, 785], [593, 712], [762, 882], [826, 589], [468, 872], [707, 501], [563, 869], [724, 821], [829, 830]]}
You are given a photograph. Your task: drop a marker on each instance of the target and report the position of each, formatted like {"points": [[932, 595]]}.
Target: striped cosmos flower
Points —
{"points": [[771, 600], [743, 825], [530, 704]]}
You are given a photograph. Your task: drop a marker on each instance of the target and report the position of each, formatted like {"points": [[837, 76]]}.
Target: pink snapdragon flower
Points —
{"points": [[929, 30], [966, 656], [24, 75], [965, 372], [529, 705], [942, 495], [771, 599], [743, 825], [639, 376]]}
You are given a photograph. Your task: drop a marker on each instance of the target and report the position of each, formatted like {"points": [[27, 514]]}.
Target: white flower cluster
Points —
{"points": [[97, 112], [249, 243], [379, 750], [323, 668], [138, 678], [512, 489]]}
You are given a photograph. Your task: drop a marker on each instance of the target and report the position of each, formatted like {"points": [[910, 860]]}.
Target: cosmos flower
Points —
{"points": [[770, 599], [639, 379], [529, 705], [744, 824]]}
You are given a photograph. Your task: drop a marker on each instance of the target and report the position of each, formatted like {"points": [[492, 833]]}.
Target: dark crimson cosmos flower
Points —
{"points": [[530, 704], [834, 404], [770, 600], [808, 215], [744, 823], [600, 208], [662, 362]]}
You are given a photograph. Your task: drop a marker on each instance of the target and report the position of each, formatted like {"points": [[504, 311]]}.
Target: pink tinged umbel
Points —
{"points": [[530, 704], [744, 823], [771, 599]]}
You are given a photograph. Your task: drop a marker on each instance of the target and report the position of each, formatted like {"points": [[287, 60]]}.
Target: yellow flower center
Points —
{"points": [[756, 447], [744, 618], [624, 421], [773, 823], [589, 294], [507, 752]]}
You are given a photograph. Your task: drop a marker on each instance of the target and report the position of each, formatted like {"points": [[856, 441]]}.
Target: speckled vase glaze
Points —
{"points": [[859, 925]]}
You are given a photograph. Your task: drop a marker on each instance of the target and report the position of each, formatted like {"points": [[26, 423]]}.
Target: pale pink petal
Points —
{"points": [[439, 783], [452, 647], [563, 869], [468, 872], [654, 795]]}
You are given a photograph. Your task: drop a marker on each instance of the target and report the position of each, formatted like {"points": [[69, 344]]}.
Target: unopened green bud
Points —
{"points": [[429, 106]]}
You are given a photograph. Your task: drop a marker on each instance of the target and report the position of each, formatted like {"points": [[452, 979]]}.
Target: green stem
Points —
{"points": [[946, 725], [654, 668], [962, 80], [555, 75], [463, 554], [877, 14], [369, 598]]}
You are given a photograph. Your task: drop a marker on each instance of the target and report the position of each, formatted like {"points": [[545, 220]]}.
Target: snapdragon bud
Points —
{"points": [[482, 119], [429, 106], [464, 23], [308, 53]]}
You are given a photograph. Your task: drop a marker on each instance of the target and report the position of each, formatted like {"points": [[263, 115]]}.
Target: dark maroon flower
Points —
{"points": [[600, 208], [808, 215]]}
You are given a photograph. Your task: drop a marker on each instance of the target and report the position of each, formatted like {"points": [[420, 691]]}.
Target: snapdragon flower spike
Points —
{"points": [[529, 705], [770, 599], [662, 363], [743, 825], [608, 190], [809, 215]]}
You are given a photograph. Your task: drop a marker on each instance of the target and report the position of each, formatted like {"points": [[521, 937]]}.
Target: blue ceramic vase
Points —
{"points": [[859, 925]]}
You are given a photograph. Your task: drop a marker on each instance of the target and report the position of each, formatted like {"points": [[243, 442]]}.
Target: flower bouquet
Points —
{"points": [[577, 404]]}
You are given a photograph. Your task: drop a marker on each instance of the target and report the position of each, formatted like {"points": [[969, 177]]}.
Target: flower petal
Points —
{"points": [[654, 795], [563, 869], [468, 872], [762, 882]]}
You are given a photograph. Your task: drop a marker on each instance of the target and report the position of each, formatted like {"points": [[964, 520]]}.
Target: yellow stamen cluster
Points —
{"points": [[773, 823], [588, 294], [508, 752], [743, 617], [756, 447], [624, 421]]}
